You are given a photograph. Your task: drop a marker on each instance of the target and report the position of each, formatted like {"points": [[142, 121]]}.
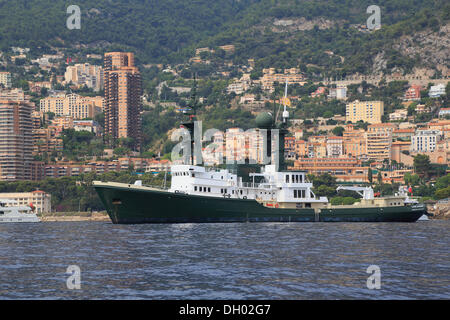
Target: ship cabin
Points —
{"points": [[286, 189]]}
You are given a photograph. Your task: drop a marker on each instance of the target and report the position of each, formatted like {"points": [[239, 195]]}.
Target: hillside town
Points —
{"points": [[75, 118]]}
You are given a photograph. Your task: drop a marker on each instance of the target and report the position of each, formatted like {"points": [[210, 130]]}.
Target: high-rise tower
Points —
{"points": [[123, 98], [16, 142]]}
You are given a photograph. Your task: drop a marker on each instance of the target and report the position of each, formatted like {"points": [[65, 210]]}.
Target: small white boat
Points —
{"points": [[11, 212]]}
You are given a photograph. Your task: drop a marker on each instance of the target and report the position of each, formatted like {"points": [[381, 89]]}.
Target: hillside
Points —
{"points": [[318, 35]]}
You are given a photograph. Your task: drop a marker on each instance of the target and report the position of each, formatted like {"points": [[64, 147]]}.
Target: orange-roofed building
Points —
{"points": [[413, 93]]}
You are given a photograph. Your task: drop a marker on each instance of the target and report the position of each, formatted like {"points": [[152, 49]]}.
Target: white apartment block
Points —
{"points": [[437, 91], [241, 85], [41, 201], [85, 74], [339, 93], [335, 147], [425, 140], [398, 115], [5, 79]]}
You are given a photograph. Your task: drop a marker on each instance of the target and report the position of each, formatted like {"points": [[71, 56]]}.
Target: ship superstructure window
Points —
{"points": [[195, 188], [287, 178], [299, 193]]}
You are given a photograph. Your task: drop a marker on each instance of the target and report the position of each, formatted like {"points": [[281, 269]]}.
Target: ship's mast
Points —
{"points": [[189, 125]]}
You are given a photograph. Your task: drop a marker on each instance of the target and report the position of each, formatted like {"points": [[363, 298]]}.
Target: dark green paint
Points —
{"points": [[151, 206]]}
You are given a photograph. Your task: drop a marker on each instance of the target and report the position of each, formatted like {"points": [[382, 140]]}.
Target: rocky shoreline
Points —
{"points": [[439, 210]]}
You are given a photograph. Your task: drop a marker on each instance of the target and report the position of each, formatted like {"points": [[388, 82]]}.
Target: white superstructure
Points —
{"points": [[11, 212], [274, 188]]}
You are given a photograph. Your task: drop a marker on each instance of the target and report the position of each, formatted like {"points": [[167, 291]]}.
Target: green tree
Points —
{"points": [[442, 193], [422, 165], [338, 131], [380, 178]]}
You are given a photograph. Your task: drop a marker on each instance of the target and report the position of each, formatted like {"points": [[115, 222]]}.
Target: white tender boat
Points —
{"points": [[11, 212]]}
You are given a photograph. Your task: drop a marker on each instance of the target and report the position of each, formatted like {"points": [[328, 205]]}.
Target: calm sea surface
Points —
{"points": [[225, 261]]}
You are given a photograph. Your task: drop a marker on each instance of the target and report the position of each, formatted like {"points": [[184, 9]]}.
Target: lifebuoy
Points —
{"points": [[244, 197], [277, 205]]}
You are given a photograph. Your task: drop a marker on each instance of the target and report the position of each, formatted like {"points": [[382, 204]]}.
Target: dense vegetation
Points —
{"points": [[169, 31]]}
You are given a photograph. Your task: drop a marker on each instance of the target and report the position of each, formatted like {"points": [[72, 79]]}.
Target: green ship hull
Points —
{"points": [[129, 205]]}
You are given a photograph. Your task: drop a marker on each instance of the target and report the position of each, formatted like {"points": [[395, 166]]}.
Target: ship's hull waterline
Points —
{"points": [[129, 205]]}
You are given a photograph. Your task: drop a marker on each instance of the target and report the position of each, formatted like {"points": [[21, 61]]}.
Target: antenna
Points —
{"points": [[285, 112]]}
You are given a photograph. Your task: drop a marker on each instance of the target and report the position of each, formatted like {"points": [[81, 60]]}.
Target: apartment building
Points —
{"points": [[39, 200], [87, 125], [403, 134], [157, 166], [73, 169], [73, 105], [367, 111], [437, 91], [16, 143], [123, 97], [355, 142], [413, 93], [335, 147], [379, 140], [61, 123], [85, 74], [398, 115], [339, 93], [270, 76], [289, 148], [344, 169], [45, 140], [241, 85], [5, 79], [425, 140]]}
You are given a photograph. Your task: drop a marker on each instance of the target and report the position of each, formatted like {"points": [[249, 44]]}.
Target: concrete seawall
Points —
{"points": [[75, 216]]}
